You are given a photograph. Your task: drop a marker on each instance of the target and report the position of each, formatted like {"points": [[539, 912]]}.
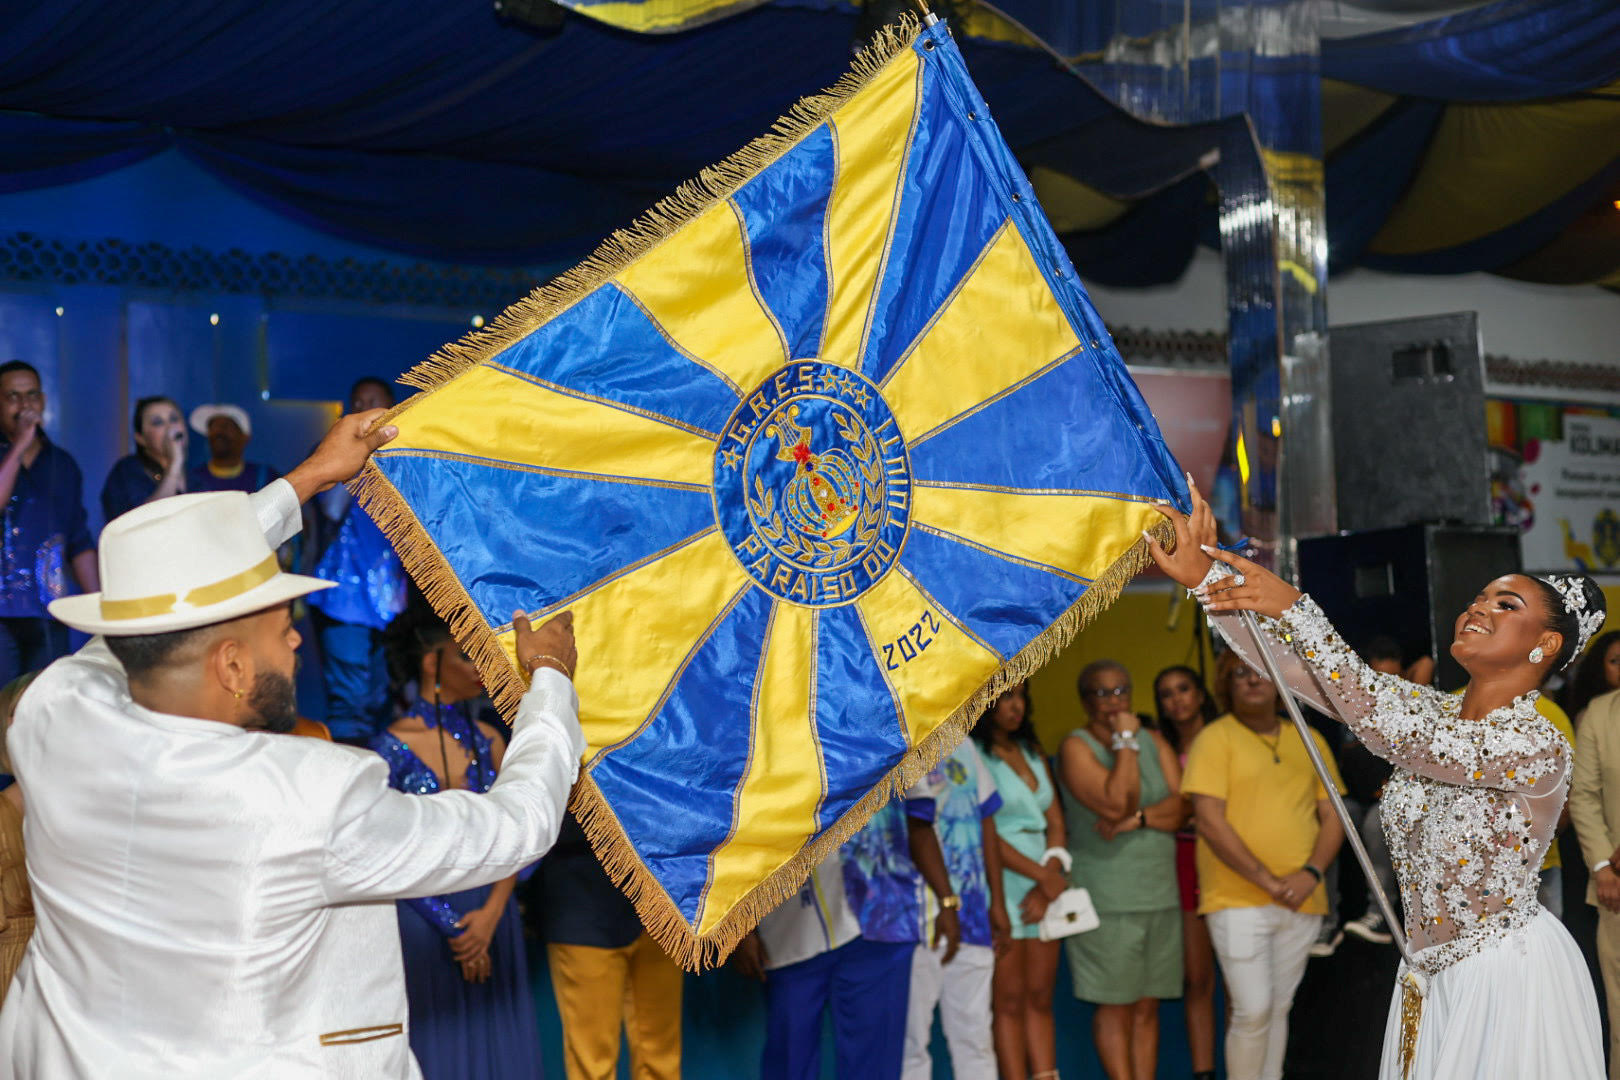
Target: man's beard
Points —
{"points": [[274, 703]]}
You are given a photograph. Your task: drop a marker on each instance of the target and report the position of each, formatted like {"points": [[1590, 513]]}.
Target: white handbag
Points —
{"points": [[1070, 913]]}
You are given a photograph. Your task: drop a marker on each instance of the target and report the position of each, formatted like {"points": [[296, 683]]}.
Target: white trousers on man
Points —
{"points": [[961, 989], [1263, 952]]}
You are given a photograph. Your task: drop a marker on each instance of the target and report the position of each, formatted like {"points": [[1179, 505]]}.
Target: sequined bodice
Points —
{"points": [[1473, 804], [1468, 860], [409, 773]]}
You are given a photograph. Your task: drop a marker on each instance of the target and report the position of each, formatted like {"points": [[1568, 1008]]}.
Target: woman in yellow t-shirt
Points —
{"points": [[1266, 833]]}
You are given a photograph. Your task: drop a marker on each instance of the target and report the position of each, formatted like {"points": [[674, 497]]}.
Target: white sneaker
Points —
{"points": [[1328, 941], [1370, 927]]}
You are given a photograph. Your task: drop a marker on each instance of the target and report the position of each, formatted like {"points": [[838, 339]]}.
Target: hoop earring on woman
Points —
{"points": [[1536, 655]]}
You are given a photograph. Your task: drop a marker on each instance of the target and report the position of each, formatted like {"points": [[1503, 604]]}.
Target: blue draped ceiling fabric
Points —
{"points": [[373, 120]]}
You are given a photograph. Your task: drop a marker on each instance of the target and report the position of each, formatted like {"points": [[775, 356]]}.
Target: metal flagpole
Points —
{"points": [[1351, 833]]}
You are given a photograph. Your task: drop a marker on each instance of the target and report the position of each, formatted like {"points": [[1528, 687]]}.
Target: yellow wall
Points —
{"points": [[1132, 632]]}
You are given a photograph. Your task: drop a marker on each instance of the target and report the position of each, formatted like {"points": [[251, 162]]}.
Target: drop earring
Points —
{"points": [[1536, 655]]}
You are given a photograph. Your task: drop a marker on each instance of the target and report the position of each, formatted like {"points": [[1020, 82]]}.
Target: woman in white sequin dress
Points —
{"points": [[1500, 991]]}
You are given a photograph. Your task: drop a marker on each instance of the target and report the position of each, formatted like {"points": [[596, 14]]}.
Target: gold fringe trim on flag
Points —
{"points": [[507, 684]]}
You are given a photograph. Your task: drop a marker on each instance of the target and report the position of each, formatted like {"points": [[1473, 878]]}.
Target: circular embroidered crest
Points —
{"points": [[812, 484]]}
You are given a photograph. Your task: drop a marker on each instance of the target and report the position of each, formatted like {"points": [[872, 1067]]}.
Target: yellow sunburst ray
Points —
{"points": [[777, 802], [965, 357], [1076, 533], [504, 419], [702, 296], [931, 664], [872, 134], [676, 601]]}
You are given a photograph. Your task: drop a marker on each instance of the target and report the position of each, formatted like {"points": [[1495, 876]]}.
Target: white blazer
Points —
{"points": [[213, 902]]}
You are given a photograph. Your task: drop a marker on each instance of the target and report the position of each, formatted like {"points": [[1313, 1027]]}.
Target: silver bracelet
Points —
{"points": [[1125, 740]]}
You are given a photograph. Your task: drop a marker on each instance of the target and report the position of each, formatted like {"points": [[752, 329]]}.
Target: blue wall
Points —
{"points": [[286, 359]]}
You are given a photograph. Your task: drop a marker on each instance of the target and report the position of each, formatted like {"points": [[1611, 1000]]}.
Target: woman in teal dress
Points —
{"points": [[1029, 826]]}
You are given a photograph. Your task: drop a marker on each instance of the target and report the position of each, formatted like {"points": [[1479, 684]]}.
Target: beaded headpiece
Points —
{"points": [[1572, 587]]}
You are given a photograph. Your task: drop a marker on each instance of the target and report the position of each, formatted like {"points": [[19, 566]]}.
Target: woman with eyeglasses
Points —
{"points": [[1123, 809], [1029, 829], [1266, 834]]}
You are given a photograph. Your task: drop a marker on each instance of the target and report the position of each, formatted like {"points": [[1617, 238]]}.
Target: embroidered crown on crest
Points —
{"points": [[824, 496]]}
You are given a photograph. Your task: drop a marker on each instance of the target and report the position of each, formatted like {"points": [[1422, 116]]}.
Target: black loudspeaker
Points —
{"points": [[1409, 441], [1409, 583]]}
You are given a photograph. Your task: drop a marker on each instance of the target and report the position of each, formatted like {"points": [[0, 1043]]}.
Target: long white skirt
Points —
{"points": [[1520, 1010]]}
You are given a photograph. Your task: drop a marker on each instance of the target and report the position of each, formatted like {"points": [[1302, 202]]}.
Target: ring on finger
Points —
{"points": [[1238, 580]]}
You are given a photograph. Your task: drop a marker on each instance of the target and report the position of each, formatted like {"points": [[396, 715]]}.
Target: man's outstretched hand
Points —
{"points": [[341, 454]]}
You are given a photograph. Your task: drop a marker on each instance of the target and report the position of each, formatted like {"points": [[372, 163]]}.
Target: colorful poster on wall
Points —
{"points": [[1560, 484]]}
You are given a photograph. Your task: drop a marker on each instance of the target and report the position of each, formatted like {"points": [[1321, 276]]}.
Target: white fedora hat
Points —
{"points": [[204, 413], [180, 563]]}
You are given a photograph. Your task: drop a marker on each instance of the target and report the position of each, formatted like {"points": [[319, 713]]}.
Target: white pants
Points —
{"points": [[961, 989], [1263, 952]]}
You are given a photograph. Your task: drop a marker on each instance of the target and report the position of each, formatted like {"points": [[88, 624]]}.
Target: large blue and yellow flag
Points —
{"points": [[824, 453]]}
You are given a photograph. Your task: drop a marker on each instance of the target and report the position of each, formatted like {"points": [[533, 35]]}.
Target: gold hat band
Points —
{"points": [[202, 596]]}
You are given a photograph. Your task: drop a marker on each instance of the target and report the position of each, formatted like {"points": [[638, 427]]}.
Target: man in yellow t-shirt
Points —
{"points": [[1266, 834]]}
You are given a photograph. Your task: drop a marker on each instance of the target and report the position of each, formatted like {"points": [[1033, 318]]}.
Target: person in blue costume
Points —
{"points": [[347, 547], [466, 976]]}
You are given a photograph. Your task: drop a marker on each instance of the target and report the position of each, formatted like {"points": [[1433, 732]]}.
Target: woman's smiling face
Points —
{"points": [[1504, 624]]}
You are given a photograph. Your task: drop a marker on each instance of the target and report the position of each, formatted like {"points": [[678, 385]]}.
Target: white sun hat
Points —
{"points": [[180, 563], [204, 413]]}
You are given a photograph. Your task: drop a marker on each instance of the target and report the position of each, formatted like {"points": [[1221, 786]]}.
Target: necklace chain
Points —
{"points": [[1274, 744]]}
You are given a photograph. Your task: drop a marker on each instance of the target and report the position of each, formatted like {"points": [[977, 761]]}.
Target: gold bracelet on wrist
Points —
{"points": [[533, 662], [950, 903]]}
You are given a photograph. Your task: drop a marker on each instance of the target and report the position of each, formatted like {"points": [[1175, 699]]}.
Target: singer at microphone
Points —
{"points": [[157, 468]]}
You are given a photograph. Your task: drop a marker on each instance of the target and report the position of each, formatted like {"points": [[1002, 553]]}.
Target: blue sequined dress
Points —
{"points": [[458, 1028]]}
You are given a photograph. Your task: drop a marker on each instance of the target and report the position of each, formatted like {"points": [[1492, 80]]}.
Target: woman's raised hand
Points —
{"points": [[1250, 588], [1188, 562]]}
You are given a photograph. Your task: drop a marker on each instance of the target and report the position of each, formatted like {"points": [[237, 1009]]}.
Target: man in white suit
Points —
{"points": [[212, 897]]}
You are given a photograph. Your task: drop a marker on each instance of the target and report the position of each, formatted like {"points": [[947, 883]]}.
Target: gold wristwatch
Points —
{"points": [[950, 903]]}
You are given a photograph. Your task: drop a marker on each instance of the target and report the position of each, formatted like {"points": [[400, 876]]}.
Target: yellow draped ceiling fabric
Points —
{"points": [[1490, 166], [658, 16]]}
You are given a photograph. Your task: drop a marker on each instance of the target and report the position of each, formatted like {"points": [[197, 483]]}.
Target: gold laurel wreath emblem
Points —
{"points": [[813, 551]]}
